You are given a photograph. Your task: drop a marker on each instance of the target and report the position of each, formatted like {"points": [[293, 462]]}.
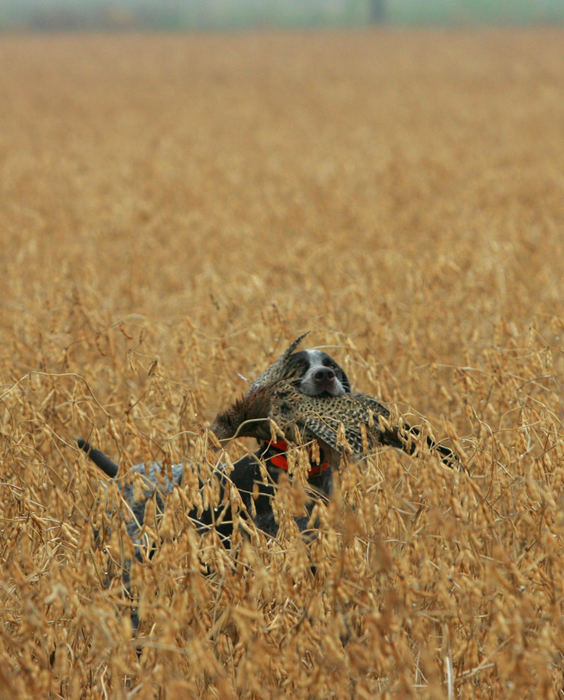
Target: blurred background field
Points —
{"points": [[182, 15], [175, 209]]}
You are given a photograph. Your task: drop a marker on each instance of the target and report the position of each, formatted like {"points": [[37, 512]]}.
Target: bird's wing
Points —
{"points": [[349, 420]]}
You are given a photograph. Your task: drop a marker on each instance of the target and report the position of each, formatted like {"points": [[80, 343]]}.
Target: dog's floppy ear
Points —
{"points": [[275, 372]]}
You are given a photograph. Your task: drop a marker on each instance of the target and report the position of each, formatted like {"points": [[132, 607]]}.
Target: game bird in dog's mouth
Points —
{"points": [[316, 405]]}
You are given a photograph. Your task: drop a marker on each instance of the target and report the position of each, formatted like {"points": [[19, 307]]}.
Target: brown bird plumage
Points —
{"points": [[279, 369], [349, 421], [353, 423]]}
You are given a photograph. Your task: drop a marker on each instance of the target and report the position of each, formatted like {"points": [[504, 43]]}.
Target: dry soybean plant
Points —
{"points": [[175, 211]]}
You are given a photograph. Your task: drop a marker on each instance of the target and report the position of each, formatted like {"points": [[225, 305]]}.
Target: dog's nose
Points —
{"points": [[324, 375]]}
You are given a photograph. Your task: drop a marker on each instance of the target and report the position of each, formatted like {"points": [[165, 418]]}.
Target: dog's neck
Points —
{"points": [[276, 454]]}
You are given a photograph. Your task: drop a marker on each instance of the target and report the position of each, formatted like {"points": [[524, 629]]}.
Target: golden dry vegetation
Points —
{"points": [[176, 209]]}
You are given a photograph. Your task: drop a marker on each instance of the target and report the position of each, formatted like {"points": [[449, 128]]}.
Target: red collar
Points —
{"points": [[281, 461]]}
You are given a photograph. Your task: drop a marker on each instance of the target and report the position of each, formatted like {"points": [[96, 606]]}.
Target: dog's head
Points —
{"points": [[313, 372]]}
